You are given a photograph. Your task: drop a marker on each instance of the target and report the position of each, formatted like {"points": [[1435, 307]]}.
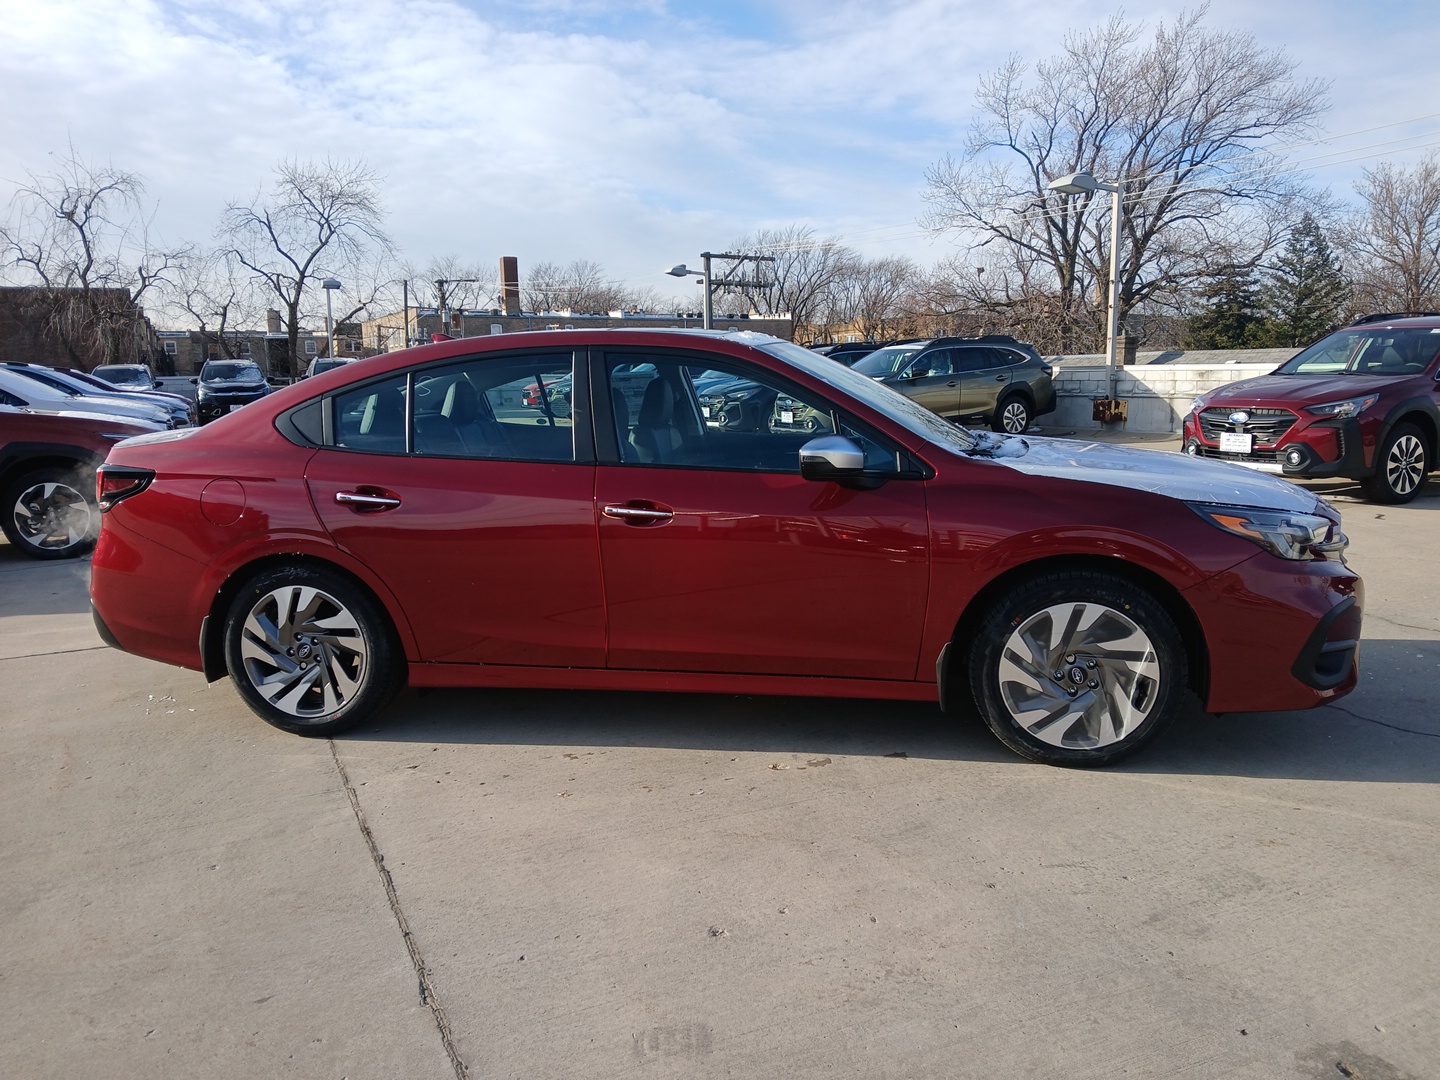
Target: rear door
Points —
{"points": [[475, 508]]}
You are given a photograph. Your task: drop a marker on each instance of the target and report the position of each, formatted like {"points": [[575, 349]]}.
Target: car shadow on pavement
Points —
{"points": [[1385, 732]]}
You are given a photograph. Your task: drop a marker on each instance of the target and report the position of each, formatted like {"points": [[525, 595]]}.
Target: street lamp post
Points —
{"points": [[681, 270], [440, 284], [1078, 184], [329, 285]]}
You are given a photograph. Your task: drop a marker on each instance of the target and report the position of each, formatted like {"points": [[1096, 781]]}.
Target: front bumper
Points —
{"points": [[1319, 450], [1281, 635]]}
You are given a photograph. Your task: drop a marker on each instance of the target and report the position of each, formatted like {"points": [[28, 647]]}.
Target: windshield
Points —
{"points": [[886, 361], [219, 370], [1365, 351], [914, 418], [122, 375]]}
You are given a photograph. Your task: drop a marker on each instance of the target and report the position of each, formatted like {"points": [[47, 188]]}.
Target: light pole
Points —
{"points": [[329, 285], [681, 270], [440, 284], [1078, 184]]}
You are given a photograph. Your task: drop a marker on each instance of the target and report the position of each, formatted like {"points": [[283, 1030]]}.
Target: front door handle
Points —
{"points": [[952, 384], [632, 514], [367, 502]]}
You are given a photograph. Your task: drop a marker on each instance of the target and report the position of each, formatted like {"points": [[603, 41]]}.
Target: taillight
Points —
{"points": [[116, 483]]}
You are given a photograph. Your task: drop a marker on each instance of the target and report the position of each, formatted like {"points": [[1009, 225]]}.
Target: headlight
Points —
{"points": [[1197, 404], [1343, 410], [1287, 533]]}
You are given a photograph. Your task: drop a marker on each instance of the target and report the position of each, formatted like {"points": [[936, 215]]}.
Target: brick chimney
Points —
{"points": [[510, 284]]}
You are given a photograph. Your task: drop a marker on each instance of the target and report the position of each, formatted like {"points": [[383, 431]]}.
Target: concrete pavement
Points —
{"points": [[538, 884]]}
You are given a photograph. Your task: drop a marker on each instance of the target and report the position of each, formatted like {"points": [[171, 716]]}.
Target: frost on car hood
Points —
{"points": [[1161, 472]]}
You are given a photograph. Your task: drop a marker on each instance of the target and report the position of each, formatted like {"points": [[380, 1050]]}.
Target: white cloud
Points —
{"points": [[633, 134]]}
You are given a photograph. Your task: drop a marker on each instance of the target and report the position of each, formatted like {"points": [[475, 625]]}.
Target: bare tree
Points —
{"points": [[1182, 121], [800, 280], [80, 237], [216, 296], [875, 298], [319, 220], [1393, 244], [580, 286]]}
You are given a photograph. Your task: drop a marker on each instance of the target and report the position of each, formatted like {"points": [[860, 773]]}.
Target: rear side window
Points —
{"points": [[509, 408], [372, 418]]}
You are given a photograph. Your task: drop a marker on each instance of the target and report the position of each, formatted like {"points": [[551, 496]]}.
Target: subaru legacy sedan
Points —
{"points": [[370, 527]]}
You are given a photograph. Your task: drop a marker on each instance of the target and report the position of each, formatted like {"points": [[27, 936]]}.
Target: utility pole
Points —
{"points": [[440, 284]]}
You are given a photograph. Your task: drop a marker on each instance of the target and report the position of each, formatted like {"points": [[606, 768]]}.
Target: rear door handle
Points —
{"points": [[367, 501], [1001, 378], [637, 515]]}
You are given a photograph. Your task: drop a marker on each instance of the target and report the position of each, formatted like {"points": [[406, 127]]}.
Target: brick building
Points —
{"points": [[74, 327]]}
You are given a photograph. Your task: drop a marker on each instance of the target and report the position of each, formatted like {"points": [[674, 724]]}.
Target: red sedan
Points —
{"points": [[375, 526]]}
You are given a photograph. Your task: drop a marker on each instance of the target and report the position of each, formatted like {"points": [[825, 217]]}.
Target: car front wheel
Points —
{"points": [[311, 651], [1012, 416], [1400, 466], [1077, 668], [51, 513]]}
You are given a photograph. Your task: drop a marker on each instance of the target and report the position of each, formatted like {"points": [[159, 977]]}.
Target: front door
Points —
{"points": [[719, 557]]}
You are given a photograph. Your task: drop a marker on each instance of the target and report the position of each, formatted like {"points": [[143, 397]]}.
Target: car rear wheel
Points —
{"points": [[51, 513], [1012, 416], [1400, 466], [1077, 668], [311, 651]]}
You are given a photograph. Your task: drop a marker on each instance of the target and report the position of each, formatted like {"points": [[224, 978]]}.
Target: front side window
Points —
{"points": [[692, 415]]}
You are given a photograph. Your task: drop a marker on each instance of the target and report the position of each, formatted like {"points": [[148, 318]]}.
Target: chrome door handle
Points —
{"points": [[366, 502], [638, 514]]}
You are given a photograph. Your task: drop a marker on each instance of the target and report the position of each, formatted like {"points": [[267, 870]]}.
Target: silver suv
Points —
{"points": [[994, 379]]}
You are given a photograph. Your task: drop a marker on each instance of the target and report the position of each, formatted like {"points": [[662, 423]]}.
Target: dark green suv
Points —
{"points": [[995, 379]]}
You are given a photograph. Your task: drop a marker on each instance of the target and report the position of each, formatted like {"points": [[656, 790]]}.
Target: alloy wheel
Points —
{"points": [[303, 651], [52, 516], [1405, 464], [1079, 676]]}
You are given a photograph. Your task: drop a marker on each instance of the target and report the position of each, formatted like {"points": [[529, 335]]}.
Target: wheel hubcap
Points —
{"points": [[52, 516], [1013, 418], [1079, 676], [1405, 465], [303, 651]]}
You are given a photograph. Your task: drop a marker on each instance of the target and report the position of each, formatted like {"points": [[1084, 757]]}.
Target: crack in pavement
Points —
{"points": [[1382, 723], [55, 652], [429, 997]]}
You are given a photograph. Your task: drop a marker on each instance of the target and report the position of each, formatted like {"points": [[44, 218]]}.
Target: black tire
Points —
{"points": [[1401, 465], [1044, 703], [51, 513], [1012, 415], [311, 651]]}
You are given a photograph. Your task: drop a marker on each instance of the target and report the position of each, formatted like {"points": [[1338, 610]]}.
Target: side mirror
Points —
{"points": [[194, 382], [832, 458]]}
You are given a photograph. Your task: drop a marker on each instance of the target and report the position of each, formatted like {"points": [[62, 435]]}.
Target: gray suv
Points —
{"points": [[995, 378]]}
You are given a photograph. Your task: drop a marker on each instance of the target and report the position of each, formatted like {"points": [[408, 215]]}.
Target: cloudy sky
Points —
{"points": [[632, 133]]}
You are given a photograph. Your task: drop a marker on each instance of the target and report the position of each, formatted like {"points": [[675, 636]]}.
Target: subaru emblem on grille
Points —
{"points": [[1239, 417]]}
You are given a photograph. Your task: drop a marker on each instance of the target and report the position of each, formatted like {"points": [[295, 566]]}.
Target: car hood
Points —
{"points": [[81, 413], [1159, 472], [1299, 390]]}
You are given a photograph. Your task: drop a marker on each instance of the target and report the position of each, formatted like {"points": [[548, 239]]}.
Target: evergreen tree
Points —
{"points": [[1304, 292], [1231, 317]]}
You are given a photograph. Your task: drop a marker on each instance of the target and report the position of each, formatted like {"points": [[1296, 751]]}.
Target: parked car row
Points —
{"points": [[342, 536]]}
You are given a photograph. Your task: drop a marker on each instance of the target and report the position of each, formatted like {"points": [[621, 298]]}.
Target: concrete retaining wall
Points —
{"points": [[1159, 394]]}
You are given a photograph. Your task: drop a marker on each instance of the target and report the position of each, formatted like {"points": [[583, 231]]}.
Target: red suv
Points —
{"points": [[47, 477], [1362, 403], [410, 519]]}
